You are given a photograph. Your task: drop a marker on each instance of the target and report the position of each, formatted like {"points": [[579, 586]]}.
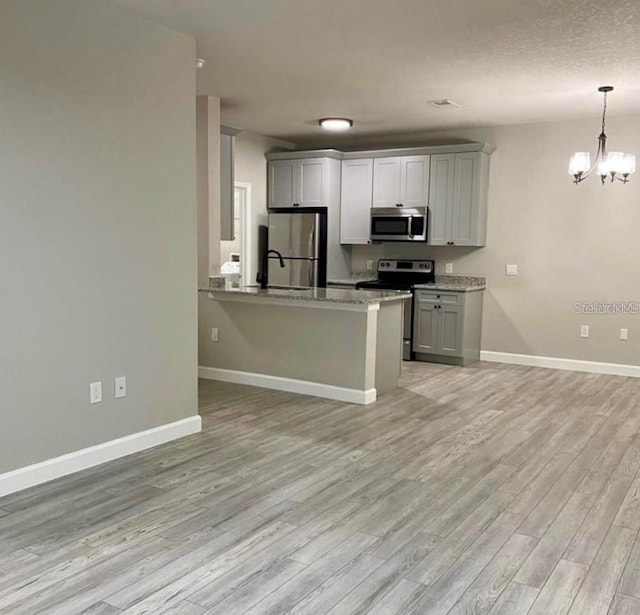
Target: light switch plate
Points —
{"points": [[215, 335], [624, 334], [585, 331], [512, 269], [121, 387], [95, 392], [369, 265], [448, 268]]}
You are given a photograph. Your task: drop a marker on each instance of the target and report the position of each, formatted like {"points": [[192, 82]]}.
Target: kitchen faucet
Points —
{"points": [[263, 277]]}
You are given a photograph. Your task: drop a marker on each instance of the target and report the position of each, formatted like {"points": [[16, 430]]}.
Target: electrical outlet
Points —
{"points": [[215, 336], [369, 265], [511, 270], [448, 268], [585, 331], [624, 334], [121, 387], [95, 392]]}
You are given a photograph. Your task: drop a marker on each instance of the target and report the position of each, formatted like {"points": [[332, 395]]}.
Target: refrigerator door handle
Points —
{"points": [[311, 245], [312, 271]]}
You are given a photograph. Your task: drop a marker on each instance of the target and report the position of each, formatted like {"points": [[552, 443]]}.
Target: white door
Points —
{"points": [[466, 195], [425, 327], [387, 179], [441, 198], [311, 183], [449, 330], [355, 202], [415, 181], [282, 183]]}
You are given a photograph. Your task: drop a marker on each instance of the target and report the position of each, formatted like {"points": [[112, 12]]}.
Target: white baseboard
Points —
{"points": [[575, 365], [44, 471], [304, 387]]}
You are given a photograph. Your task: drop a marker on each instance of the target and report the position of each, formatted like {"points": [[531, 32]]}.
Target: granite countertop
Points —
{"points": [[334, 295], [458, 283], [355, 277]]}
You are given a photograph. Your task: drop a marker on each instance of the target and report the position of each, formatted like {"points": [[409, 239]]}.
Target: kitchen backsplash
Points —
{"points": [[361, 255]]}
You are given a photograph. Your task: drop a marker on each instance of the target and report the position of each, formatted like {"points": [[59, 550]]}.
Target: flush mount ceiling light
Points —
{"points": [[616, 165], [336, 124], [444, 103], [200, 62]]}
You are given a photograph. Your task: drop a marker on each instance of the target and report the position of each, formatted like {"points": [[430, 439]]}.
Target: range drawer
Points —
{"points": [[433, 296]]}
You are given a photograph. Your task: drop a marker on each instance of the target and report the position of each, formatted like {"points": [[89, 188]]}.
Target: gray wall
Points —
{"points": [[208, 186], [251, 167], [97, 226], [571, 243], [305, 343]]}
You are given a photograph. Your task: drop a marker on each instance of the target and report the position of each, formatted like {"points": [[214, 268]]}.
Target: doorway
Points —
{"points": [[239, 249]]}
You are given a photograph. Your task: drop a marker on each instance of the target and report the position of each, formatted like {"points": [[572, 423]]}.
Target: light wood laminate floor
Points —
{"points": [[489, 489]]}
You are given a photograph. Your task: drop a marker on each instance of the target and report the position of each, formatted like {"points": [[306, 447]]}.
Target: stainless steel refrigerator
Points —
{"points": [[299, 234]]}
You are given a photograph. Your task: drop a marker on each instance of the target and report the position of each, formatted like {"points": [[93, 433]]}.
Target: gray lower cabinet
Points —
{"points": [[447, 326], [425, 326]]}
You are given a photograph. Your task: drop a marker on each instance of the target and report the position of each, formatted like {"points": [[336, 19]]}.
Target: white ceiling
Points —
{"points": [[279, 65]]}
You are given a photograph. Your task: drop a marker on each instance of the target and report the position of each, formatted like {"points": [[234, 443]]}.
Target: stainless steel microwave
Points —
{"points": [[399, 223]]}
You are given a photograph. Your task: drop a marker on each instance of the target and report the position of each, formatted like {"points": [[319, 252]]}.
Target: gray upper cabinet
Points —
{"points": [[356, 199], [298, 183], [458, 199], [452, 180], [401, 180]]}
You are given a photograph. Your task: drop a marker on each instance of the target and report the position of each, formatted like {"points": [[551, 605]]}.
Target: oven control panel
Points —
{"points": [[409, 266]]}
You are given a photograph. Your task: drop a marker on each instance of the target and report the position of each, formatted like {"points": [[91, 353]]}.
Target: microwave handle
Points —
{"points": [[409, 233]]}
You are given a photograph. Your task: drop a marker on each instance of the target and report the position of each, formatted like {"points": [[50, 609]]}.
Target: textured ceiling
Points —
{"points": [[279, 65]]}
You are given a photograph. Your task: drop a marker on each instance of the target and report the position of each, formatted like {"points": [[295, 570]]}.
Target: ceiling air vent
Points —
{"points": [[444, 103]]}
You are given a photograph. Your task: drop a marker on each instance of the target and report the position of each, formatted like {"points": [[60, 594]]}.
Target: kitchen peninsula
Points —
{"points": [[335, 343]]}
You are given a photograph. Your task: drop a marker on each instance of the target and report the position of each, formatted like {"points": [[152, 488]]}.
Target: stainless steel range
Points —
{"points": [[396, 274]]}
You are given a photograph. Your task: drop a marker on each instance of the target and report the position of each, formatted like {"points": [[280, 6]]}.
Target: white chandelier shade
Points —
{"points": [[610, 165]]}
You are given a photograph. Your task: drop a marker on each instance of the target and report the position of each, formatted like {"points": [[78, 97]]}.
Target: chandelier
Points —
{"points": [[613, 165]]}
